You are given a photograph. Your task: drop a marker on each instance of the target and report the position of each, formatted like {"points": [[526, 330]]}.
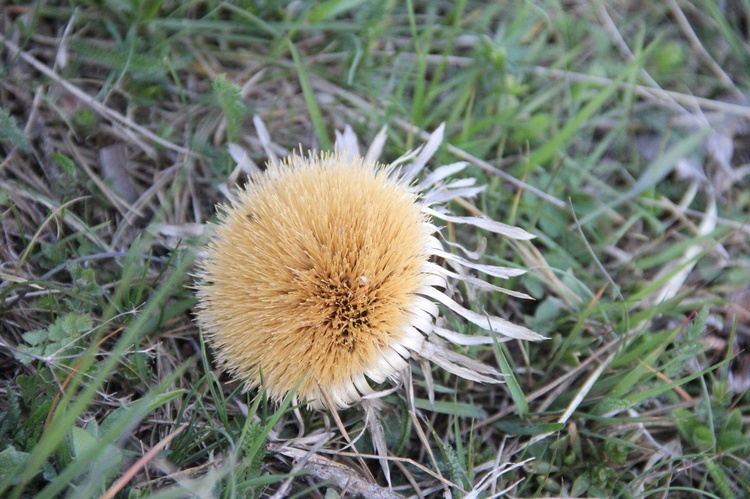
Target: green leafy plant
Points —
{"points": [[61, 337], [228, 96], [10, 133]]}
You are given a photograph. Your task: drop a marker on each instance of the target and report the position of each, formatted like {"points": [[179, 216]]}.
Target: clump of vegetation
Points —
{"points": [[617, 134]]}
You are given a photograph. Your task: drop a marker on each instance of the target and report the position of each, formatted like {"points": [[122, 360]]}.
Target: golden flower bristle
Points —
{"points": [[312, 275], [326, 273]]}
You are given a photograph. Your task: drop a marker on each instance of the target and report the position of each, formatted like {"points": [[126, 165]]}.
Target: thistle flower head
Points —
{"points": [[320, 275]]}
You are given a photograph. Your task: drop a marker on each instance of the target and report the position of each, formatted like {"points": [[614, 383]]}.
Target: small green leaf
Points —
{"points": [[581, 485], [682, 417], [703, 438], [458, 409], [609, 404], [11, 133], [73, 325], [729, 441], [546, 314], [252, 432], [518, 427], [733, 422], [64, 162], [28, 386], [37, 337], [81, 443], [332, 8], [10, 458], [24, 358], [93, 428], [455, 467], [230, 100], [49, 472]]}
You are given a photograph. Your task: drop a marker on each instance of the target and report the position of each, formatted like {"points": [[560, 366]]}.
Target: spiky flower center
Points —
{"points": [[313, 274], [345, 308]]}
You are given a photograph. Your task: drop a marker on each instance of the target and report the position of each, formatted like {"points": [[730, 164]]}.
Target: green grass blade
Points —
{"points": [[556, 143], [655, 172], [312, 105], [516, 392]]}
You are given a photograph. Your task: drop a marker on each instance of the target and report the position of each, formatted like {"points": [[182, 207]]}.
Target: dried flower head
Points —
{"points": [[322, 274]]}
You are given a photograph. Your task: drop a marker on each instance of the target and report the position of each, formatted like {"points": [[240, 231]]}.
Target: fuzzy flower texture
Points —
{"points": [[324, 275]]}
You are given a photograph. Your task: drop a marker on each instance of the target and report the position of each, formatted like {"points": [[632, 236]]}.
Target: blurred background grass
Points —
{"points": [[614, 131]]}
